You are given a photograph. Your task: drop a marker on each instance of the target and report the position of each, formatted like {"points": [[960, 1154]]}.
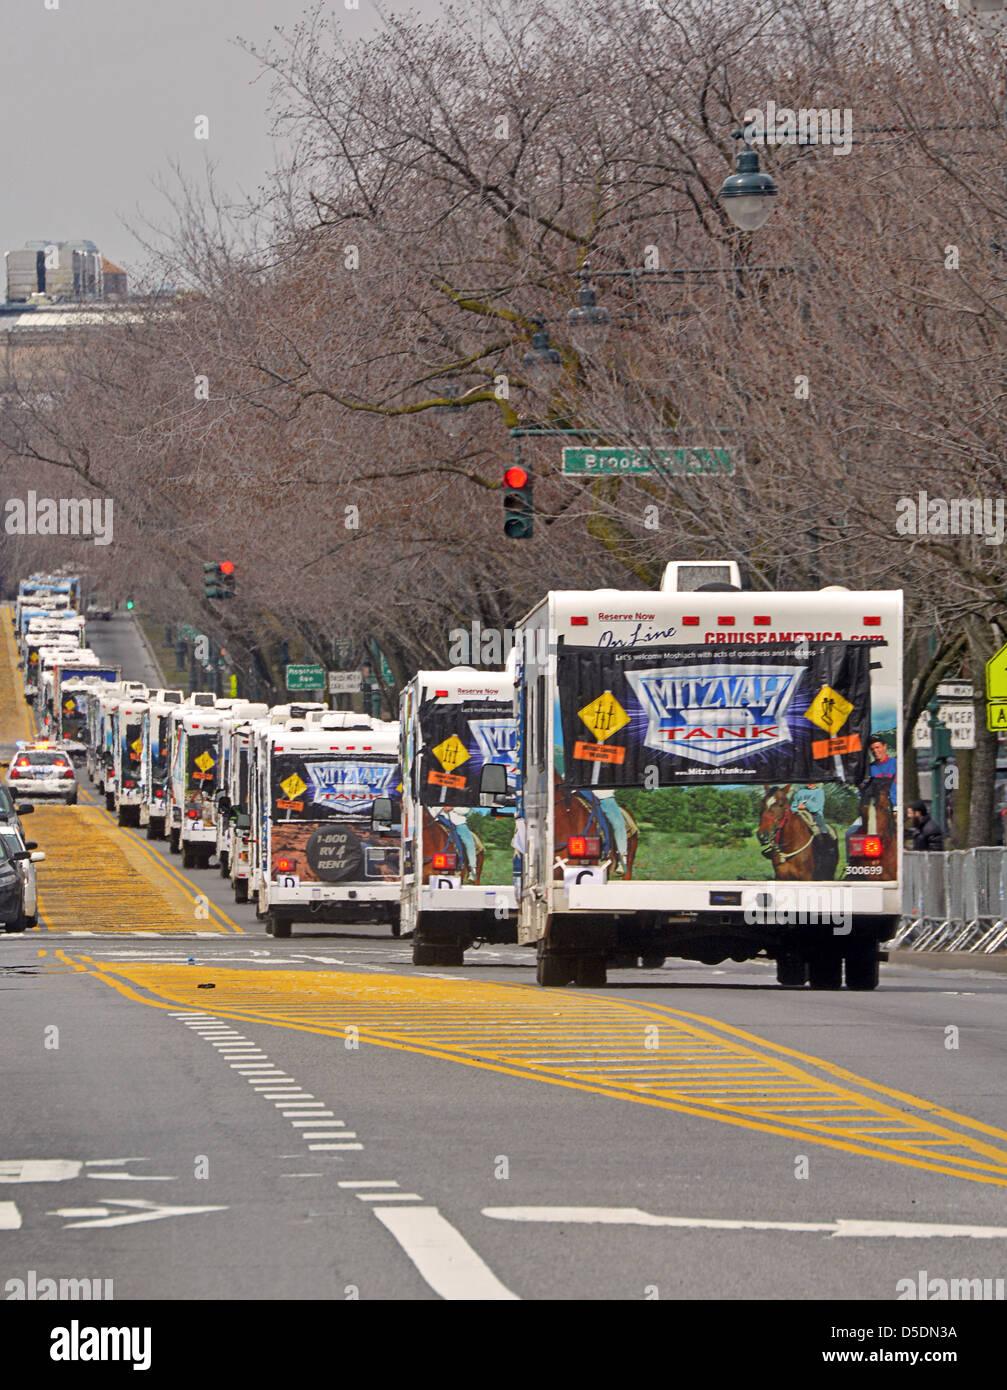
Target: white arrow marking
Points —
{"points": [[145, 1211], [10, 1217], [39, 1169], [441, 1254], [633, 1216], [133, 1177]]}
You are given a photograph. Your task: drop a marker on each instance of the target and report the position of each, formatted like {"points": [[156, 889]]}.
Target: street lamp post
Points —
{"points": [[748, 194]]}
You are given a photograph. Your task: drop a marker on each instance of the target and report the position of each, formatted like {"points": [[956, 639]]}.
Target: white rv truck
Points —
{"points": [[155, 732], [708, 773], [318, 854], [459, 779], [128, 717], [193, 783]]}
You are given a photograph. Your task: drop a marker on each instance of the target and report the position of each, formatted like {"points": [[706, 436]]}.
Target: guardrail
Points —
{"points": [[955, 900]]}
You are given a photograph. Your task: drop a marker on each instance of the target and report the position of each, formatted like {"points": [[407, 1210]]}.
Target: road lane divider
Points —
{"points": [[639, 1053], [94, 879]]}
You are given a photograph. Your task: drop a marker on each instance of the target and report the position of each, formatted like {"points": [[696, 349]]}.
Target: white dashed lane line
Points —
{"points": [[440, 1253]]}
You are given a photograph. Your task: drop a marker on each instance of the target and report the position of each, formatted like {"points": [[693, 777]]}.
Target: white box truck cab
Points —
{"points": [[710, 773], [320, 853], [155, 731], [127, 759], [459, 780], [193, 784]]}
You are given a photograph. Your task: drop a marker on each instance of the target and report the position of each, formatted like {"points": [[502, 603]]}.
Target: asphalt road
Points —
{"points": [[231, 1116]]}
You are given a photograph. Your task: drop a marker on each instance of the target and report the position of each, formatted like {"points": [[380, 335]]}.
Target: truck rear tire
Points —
{"points": [[188, 855], [241, 890], [825, 970], [437, 952], [590, 972], [109, 801], [173, 839], [792, 972], [225, 864], [554, 971], [862, 966], [277, 926]]}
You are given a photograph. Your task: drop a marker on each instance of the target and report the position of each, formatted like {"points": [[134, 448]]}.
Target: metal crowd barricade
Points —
{"points": [[955, 900]]}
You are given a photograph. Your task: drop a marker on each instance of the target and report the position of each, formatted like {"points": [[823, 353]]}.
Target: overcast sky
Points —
{"points": [[98, 97]]}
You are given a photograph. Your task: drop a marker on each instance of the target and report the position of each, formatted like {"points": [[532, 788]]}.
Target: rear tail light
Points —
{"points": [[14, 773], [159, 792], [584, 846], [68, 772], [193, 815], [284, 865], [445, 861], [867, 846]]}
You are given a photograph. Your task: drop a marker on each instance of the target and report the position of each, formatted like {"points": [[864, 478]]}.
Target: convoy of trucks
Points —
{"points": [[681, 773]]}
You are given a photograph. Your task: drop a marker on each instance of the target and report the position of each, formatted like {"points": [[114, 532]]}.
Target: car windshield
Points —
{"points": [[10, 840], [6, 803]]}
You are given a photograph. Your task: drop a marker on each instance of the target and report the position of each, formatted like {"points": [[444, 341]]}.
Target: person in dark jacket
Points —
{"points": [[926, 832]]}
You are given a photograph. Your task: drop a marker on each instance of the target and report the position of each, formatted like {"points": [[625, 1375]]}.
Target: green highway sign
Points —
{"points": [[578, 463], [305, 678]]}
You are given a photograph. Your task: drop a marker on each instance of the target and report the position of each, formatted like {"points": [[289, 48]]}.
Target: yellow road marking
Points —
{"points": [[163, 864], [15, 715], [517, 1030], [94, 879]]}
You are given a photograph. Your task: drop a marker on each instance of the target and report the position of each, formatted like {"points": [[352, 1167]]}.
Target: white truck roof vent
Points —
{"points": [[688, 576]]}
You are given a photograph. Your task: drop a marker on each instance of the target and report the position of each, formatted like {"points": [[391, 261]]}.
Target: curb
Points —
{"points": [[951, 960]]}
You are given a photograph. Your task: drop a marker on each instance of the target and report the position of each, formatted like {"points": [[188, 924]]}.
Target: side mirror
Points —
{"points": [[25, 809], [383, 815], [20, 855], [31, 844], [223, 803], [242, 821], [493, 780], [38, 857]]}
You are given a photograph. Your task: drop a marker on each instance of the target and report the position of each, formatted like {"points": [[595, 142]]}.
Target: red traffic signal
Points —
{"points": [[227, 566], [517, 501]]}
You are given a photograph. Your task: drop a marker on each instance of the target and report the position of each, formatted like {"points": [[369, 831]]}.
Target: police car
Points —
{"points": [[42, 769]]}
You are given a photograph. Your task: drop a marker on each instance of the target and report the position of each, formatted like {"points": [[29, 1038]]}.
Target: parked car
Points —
{"points": [[12, 916], [14, 843], [10, 814], [41, 769]]}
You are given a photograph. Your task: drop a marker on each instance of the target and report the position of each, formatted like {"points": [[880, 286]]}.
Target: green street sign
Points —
{"points": [[305, 678], [579, 463]]}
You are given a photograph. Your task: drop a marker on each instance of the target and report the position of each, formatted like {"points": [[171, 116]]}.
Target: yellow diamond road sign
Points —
{"points": [[204, 762], [451, 753], [136, 747], [293, 786], [604, 716], [829, 710], [996, 675]]}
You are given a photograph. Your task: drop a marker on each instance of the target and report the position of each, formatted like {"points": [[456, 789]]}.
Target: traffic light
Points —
{"points": [[218, 579], [227, 578], [129, 605], [211, 579], [518, 511]]}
